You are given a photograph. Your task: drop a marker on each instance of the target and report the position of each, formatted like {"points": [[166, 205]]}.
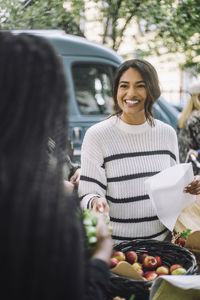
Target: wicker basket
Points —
{"points": [[170, 254], [196, 253]]}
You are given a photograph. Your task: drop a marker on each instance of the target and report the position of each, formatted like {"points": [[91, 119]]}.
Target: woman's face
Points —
{"points": [[131, 97]]}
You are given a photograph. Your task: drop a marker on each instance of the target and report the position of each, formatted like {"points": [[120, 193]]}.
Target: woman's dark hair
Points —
{"points": [[38, 228], [150, 77]]}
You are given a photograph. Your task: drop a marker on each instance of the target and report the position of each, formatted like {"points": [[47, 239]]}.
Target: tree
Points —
{"points": [[43, 14], [117, 15], [169, 26], [176, 30]]}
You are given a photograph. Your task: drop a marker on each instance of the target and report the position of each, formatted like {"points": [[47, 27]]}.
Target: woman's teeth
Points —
{"points": [[131, 101]]}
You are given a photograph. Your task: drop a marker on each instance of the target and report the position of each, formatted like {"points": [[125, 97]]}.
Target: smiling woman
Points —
{"points": [[121, 152]]}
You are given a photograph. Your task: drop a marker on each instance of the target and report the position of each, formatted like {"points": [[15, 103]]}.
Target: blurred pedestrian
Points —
{"points": [[121, 152], [189, 126], [42, 253]]}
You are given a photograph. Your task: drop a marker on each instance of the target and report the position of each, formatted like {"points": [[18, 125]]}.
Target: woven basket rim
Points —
{"points": [[145, 243]]}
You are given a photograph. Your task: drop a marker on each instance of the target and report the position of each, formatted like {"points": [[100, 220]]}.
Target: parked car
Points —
{"points": [[166, 112], [89, 69]]}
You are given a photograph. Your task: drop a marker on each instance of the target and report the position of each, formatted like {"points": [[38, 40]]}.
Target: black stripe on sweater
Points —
{"points": [[89, 179], [80, 198], [132, 176], [121, 238], [135, 220], [127, 200], [135, 154]]}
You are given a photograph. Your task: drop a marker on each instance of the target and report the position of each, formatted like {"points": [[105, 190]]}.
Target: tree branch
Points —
{"points": [[29, 2]]}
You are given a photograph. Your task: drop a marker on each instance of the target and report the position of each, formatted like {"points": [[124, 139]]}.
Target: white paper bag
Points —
{"points": [[165, 190]]}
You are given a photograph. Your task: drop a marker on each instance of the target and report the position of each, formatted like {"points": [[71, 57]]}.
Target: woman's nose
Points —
{"points": [[131, 92]]}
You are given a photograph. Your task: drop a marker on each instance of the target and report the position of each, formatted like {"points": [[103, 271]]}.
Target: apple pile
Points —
{"points": [[148, 266]]}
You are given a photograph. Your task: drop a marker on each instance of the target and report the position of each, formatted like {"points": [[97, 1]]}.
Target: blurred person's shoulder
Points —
{"points": [[194, 119], [195, 115]]}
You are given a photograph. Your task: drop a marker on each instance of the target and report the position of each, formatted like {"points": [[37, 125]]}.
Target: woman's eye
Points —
{"points": [[123, 86], [141, 86]]}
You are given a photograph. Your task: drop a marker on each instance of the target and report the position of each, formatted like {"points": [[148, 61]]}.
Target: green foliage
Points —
{"points": [[43, 14], [185, 233], [172, 26], [177, 31], [90, 223]]}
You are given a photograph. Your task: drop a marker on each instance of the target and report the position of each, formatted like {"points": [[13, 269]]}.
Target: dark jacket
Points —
{"points": [[189, 138]]}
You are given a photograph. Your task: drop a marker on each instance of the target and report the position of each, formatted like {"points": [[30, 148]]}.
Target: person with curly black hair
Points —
{"points": [[42, 252]]}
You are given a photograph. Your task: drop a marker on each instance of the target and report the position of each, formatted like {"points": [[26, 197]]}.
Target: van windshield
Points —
{"points": [[93, 88]]}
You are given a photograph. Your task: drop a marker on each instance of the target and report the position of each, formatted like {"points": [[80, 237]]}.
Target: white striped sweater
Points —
{"points": [[116, 159]]}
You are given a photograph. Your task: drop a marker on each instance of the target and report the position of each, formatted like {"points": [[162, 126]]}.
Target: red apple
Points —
{"points": [[162, 270], [149, 262], [181, 241], [142, 257], [131, 257], [119, 255], [159, 261], [141, 272], [174, 267], [150, 275], [113, 262], [179, 271], [138, 267]]}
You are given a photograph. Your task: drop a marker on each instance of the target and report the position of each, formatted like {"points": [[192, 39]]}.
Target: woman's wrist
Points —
{"points": [[104, 250]]}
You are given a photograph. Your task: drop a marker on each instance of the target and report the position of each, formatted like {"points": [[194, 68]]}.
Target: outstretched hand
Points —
{"points": [[193, 187]]}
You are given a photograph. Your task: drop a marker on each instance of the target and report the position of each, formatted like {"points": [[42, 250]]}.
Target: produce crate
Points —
{"points": [[170, 254]]}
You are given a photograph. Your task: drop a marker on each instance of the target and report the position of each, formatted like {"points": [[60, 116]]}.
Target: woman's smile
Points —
{"points": [[132, 102]]}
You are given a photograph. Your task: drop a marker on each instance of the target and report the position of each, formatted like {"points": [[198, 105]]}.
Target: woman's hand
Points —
{"points": [[194, 152], [69, 186], [193, 187], [104, 246], [100, 205]]}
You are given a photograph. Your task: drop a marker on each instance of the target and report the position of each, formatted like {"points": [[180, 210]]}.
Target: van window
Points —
{"points": [[93, 88]]}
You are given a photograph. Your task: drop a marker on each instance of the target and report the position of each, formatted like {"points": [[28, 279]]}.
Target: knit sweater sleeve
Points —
{"points": [[173, 140], [93, 180]]}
